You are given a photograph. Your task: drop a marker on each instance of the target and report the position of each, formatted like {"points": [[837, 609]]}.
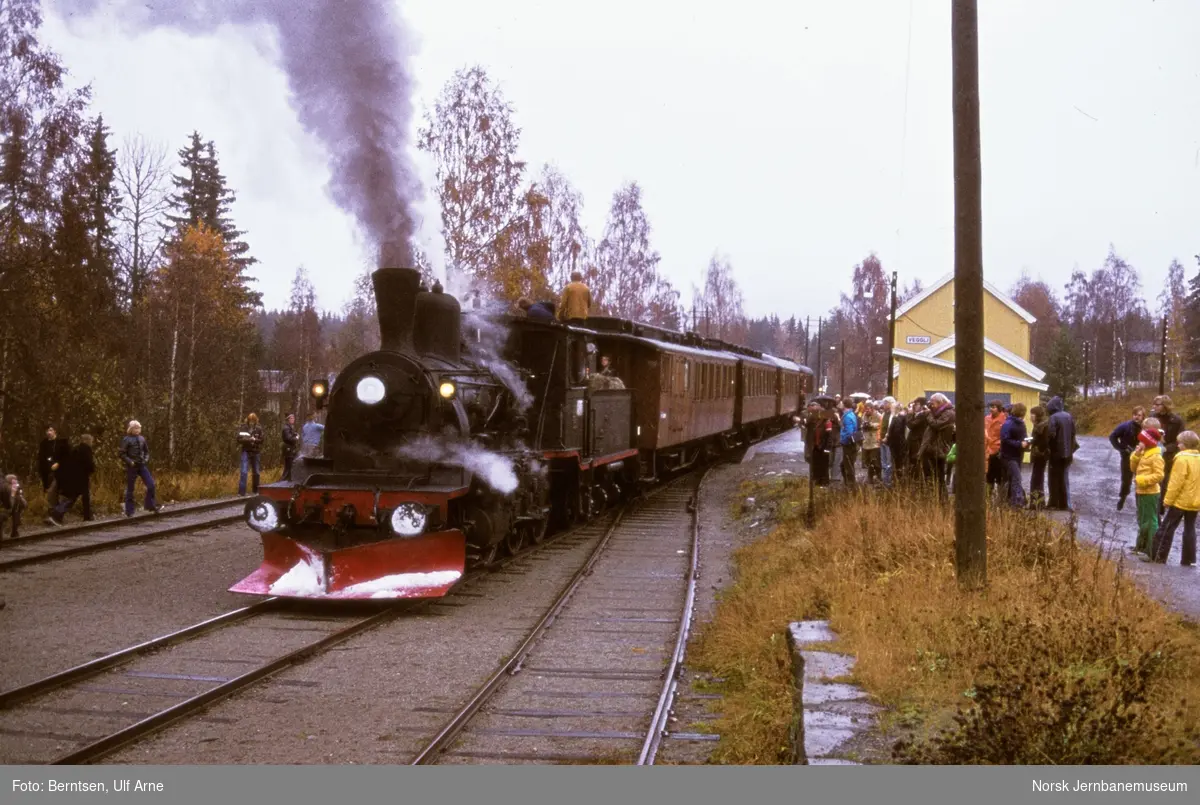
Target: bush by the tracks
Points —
{"points": [[108, 491], [1099, 415], [1062, 659]]}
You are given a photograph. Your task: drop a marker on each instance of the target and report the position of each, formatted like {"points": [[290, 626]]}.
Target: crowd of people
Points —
{"points": [[1161, 462], [918, 442]]}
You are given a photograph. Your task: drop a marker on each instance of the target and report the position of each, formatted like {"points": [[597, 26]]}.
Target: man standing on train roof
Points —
{"points": [[576, 302]]}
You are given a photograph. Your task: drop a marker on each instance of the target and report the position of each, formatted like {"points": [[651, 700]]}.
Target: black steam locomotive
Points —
{"points": [[467, 433]]}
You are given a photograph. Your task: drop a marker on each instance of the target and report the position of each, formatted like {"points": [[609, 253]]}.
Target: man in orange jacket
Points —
{"points": [[993, 423], [576, 302]]}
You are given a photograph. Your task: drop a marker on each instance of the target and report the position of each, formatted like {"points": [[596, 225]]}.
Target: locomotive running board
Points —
{"points": [[422, 567]]}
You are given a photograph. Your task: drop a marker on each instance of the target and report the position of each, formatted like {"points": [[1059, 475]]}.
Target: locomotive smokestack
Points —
{"points": [[395, 302]]}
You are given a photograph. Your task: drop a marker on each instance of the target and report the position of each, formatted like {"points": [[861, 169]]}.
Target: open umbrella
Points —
{"points": [[823, 399], [859, 395]]}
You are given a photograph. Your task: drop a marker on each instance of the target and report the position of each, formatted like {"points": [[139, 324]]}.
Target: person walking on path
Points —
{"points": [[1146, 463], [52, 452], [1039, 457], [1172, 424], [135, 454], [12, 504], [872, 446], [291, 445], [993, 423], [1183, 502], [1014, 441], [1124, 440], [851, 437], [1062, 450], [75, 481], [251, 440]]}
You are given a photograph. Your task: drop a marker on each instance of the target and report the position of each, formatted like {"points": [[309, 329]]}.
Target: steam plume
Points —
{"points": [[346, 66]]}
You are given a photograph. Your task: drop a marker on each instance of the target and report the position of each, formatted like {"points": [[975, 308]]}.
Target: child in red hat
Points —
{"points": [[1148, 470]]}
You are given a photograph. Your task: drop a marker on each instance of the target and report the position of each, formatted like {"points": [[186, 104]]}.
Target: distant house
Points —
{"points": [[276, 386]]}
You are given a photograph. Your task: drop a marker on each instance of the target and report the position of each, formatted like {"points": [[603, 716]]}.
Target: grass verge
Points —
{"points": [[1099, 415], [1061, 660]]}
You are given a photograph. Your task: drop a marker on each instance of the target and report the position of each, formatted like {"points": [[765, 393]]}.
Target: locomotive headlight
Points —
{"points": [[446, 390], [261, 515], [369, 390], [408, 519]]}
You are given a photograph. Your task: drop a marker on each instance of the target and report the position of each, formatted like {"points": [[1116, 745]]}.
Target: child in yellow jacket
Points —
{"points": [[1148, 469], [1182, 501]]}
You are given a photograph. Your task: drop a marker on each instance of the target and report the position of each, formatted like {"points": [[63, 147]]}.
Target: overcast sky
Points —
{"points": [[794, 137]]}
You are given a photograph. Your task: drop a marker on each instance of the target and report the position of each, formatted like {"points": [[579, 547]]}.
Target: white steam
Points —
{"points": [[495, 469]]}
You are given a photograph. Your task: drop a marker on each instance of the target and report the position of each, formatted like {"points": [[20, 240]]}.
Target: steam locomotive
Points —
{"points": [[470, 432]]}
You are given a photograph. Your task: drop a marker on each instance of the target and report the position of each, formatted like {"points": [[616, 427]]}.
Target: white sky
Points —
{"points": [[774, 132]]}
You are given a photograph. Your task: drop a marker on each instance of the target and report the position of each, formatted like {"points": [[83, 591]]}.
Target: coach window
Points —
{"points": [[664, 376]]}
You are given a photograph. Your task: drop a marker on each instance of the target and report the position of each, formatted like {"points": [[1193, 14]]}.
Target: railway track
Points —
{"points": [[61, 543], [601, 665]]}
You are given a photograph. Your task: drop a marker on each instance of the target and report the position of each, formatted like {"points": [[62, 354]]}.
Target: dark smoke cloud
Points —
{"points": [[347, 68]]}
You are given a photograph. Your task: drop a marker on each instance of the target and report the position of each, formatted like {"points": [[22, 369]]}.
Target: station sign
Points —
{"points": [[918, 339]]}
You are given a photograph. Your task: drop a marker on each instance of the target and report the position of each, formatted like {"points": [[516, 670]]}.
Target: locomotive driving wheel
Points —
{"points": [[514, 540], [536, 531]]}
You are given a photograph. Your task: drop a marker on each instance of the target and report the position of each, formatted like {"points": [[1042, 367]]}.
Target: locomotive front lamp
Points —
{"points": [[318, 389], [261, 515], [446, 390], [369, 390], [408, 519]]}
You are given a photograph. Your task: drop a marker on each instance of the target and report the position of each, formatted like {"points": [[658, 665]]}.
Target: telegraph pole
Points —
{"points": [[892, 340], [970, 514], [843, 348], [1087, 374], [1162, 361], [820, 321], [807, 335]]}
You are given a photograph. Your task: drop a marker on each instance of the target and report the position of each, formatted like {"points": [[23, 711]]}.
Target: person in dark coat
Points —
{"points": [[1039, 455], [938, 439], [1014, 442], [51, 454], [918, 421], [1062, 452], [897, 442], [539, 311], [12, 503], [825, 446], [74, 480], [291, 445], [135, 455], [1124, 440], [1172, 426], [251, 440]]}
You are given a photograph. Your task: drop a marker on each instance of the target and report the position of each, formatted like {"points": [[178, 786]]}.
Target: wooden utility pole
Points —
{"points": [[1162, 361], [843, 349], [807, 334], [892, 340], [820, 322], [970, 510]]}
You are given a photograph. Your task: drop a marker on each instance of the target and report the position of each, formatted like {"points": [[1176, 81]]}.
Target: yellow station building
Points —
{"points": [[923, 358]]}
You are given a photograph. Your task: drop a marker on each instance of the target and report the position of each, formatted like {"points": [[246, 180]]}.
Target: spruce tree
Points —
{"points": [[103, 200]]}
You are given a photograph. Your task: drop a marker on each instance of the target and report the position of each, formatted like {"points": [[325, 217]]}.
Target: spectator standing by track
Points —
{"points": [[872, 444], [897, 442], [1039, 455], [1146, 463], [993, 424], [918, 422], [291, 445], [135, 454], [1124, 440], [52, 452], [850, 438], [1182, 499], [251, 440], [310, 436], [1172, 424], [75, 481], [939, 437], [12, 504], [1014, 441], [1062, 451]]}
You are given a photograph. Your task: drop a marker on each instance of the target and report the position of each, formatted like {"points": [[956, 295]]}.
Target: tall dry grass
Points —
{"points": [[1038, 663]]}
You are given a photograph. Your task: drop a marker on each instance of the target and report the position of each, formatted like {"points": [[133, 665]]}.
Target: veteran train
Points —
{"points": [[467, 434]]}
